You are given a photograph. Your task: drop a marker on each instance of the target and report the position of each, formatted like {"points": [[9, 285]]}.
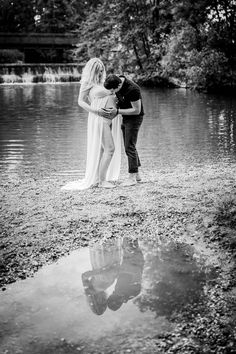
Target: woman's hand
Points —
{"points": [[105, 113], [108, 113], [113, 112]]}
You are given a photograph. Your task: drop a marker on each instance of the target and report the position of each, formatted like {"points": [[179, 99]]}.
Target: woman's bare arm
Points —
{"points": [[83, 100]]}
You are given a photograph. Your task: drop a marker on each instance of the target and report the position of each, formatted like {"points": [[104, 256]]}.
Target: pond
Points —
{"points": [[107, 295], [43, 131]]}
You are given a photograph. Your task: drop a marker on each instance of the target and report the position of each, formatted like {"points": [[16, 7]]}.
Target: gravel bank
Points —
{"points": [[40, 223]]}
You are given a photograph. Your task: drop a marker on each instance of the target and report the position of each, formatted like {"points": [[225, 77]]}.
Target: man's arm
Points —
{"points": [[135, 110]]}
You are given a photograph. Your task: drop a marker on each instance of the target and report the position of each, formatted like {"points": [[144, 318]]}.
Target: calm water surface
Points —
{"points": [[42, 129], [121, 290]]}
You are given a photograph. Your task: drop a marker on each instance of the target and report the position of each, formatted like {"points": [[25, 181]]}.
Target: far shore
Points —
{"points": [[26, 73]]}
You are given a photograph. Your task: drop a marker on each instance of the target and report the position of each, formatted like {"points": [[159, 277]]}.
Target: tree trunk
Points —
{"points": [[137, 57], [146, 46]]}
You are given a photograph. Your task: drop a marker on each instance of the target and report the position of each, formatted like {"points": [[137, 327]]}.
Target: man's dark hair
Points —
{"points": [[112, 82]]}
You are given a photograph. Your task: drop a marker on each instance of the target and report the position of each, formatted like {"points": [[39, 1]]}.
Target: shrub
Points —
{"points": [[207, 69], [11, 56], [199, 67]]}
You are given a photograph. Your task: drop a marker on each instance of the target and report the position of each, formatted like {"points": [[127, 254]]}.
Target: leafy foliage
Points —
{"points": [[17, 15], [58, 16], [11, 56], [201, 68]]}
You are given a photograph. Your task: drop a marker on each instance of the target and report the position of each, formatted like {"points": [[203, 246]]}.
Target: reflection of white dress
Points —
{"points": [[105, 261], [94, 147]]}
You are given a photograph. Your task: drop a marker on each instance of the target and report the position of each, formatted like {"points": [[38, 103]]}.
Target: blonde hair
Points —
{"points": [[91, 74]]}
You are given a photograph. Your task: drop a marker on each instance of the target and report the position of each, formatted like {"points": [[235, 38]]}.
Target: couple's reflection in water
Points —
{"points": [[116, 274], [173, 276]]}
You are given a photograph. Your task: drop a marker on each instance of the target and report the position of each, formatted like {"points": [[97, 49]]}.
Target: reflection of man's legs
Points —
{"points": [[128, 284], [130, 134]]}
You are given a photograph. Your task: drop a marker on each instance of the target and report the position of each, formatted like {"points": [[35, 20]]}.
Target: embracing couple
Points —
{"points": [[115, 105]]}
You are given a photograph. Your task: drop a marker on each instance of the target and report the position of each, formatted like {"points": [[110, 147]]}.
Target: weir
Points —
{"points": [[39, 72]]}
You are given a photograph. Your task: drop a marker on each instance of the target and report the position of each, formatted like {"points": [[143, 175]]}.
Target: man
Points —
{"points": [[131, 108], [129, 278]]}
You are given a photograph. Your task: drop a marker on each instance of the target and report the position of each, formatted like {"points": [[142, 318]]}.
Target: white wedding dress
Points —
{"points": [[94, 146]]}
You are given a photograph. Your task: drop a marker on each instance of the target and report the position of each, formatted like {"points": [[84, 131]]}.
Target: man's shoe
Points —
{"points": [[138, 178], [129, 182]]}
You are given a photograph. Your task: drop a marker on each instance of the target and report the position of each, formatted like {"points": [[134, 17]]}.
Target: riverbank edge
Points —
{"points": [[155, 80], [40, 224]]}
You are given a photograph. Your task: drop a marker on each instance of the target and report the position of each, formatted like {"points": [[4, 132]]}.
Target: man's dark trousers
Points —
{"points": [[130, 128]]}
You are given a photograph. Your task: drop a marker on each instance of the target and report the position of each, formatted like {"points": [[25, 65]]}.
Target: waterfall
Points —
{"points": [[32, 73]]}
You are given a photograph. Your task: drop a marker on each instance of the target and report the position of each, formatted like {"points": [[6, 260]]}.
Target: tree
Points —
{"points": [[96, 39], [222, 27], [125, 32], [59, 16], [17, 15]]}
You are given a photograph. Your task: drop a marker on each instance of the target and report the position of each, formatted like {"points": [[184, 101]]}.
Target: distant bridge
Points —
{"points": [[23, 41]]}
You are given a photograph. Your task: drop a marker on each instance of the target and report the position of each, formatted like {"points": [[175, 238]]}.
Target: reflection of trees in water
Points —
{"points": [[171, 279], [221, 121]]}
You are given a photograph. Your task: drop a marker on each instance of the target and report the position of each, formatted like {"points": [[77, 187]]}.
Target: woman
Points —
{"points": [[103, 135], [105, 261]]}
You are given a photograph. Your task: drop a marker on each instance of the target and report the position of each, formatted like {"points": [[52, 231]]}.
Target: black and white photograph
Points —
{"points": [[117, 176]]}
